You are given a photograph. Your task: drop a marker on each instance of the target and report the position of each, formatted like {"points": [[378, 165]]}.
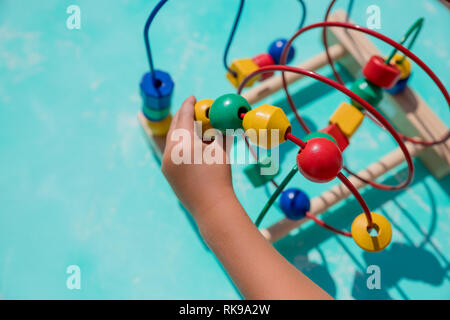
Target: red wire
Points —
{"points": [[385, 39], [327, 226], [357, 98], [295, 140], [339, 79], [350, 94], [340, 87], [358, 197]]}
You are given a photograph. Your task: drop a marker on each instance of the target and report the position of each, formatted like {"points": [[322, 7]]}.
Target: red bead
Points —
{"points": [[320, 160], [381, 74], [262, 60], [334, 131]]}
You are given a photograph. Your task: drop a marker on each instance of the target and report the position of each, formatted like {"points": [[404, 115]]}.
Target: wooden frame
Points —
{"points": [[408, 111]]}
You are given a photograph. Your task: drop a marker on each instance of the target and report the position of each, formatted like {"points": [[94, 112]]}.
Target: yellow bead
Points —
{"points": [[160, 128], [404, 66], [201, 113], [263, 120], [242, 67], [362, 237], [348, 118]]}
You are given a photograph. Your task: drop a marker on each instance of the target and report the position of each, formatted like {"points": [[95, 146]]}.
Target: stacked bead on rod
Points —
{"points": [[156, 91]]}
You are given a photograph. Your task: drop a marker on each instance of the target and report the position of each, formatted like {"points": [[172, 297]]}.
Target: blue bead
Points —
{"points": [[294, 203], [276, 49], [157, 95], [155, 115], [400, 86]]}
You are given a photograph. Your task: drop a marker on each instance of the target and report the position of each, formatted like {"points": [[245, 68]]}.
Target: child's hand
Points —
{"points": [[199, 186]]}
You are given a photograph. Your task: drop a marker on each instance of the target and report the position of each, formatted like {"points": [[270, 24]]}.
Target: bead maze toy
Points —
{"points": [[422, 134]]}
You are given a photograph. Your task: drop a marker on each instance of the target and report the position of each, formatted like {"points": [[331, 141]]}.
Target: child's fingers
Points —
{"points": [[186, 114], [176, 118]]}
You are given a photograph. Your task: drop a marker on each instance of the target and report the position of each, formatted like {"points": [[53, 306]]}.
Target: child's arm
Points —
{"points": [[256, 268]]}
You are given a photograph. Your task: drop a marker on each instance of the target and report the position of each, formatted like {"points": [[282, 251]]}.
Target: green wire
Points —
{"points": [[275, 195], [416, 28]]}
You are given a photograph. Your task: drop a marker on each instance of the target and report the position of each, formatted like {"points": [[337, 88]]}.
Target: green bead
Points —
{"points": [[319, 134], [368, 91], [225, 110]]}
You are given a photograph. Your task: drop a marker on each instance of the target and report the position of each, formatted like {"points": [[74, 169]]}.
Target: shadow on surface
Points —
{"points": [[399, 261]]}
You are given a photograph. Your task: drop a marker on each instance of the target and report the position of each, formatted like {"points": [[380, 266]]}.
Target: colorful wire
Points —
{"points": [[275, 195], [150, 19], [391, 42], [231, 37], [415, 27], [234, 28], [355, 97]]}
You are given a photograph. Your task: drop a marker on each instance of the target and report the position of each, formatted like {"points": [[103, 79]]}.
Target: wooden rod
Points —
{"points": [[275, 83], [338, 193]]}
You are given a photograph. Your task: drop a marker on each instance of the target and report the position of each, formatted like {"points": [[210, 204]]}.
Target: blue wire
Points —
{"points": [[147, 38], [302, 22], [230, 38]]}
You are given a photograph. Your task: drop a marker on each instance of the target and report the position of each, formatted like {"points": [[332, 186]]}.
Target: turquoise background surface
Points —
{"points": [[79, 185]]}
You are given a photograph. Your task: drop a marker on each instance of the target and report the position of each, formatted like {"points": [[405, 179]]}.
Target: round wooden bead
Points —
{"points": [[294, 203], [319, 134], [276, 49], [401, 64], [320, 160], [399, 87], [201, 113], [381, 74], [157, 94], [366, 90], [259, 123], [364, 239], [262, 60], [225, 110]]}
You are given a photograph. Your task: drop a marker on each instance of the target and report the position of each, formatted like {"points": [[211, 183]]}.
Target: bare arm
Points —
{"points": [[255, 267]]}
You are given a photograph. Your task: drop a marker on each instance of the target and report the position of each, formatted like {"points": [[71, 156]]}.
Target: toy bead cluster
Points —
{"points": [[156, 90], [319, 158], [392, 76], [244, 67]]}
